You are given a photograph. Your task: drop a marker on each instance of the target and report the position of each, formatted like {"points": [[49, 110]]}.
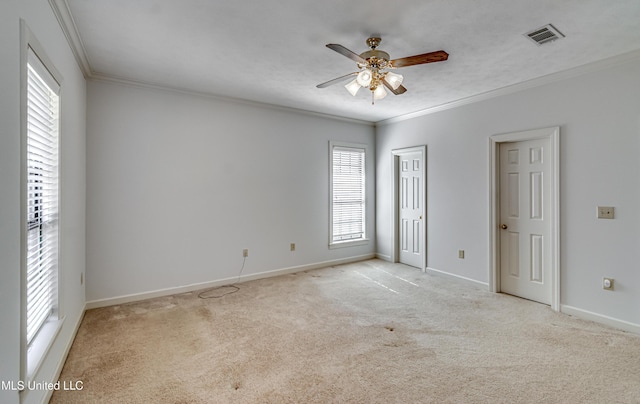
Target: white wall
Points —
{"points": [[43, 24], [599, 116], [179, 185]]}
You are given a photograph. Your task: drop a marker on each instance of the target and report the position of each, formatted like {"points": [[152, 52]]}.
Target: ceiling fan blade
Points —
{"points": [[346, 52], [400, 90], [336, 80], [437, 56]]}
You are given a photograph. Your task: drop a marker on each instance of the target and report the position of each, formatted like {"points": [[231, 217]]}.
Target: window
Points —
{"points": [[347, 210], [42, 123]]}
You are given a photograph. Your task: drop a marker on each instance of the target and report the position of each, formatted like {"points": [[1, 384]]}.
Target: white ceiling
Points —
{"points": [[274, 51]]}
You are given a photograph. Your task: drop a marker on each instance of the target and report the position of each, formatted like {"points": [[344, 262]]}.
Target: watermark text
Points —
{"points": [[20, 385]]}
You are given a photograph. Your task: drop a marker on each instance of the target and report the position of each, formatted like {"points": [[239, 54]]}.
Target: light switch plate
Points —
{"points": [[605, 212]]}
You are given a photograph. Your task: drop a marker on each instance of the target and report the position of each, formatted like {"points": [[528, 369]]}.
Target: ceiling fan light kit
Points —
{"points": [[364, 78], [353, 87], [379, 93], [393, 79], [374, 66]]}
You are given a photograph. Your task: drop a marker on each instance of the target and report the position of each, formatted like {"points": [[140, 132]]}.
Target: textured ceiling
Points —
{"points": [[274, 51]]}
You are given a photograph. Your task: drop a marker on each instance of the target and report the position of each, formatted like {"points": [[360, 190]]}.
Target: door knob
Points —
{"points": [[503, 227]]}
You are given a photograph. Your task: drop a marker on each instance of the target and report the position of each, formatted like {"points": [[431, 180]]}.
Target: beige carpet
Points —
{"points": [[370, 332]]}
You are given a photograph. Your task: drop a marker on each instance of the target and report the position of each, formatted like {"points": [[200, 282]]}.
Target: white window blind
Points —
{"points": [[348, 194], [42, 195]]}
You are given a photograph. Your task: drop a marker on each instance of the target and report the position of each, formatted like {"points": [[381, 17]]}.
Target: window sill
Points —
{"points": [[349, 243], [40, 346]]}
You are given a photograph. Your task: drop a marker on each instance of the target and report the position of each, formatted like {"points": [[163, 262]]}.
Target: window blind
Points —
{"points": [[42, 195], [348, 193]]}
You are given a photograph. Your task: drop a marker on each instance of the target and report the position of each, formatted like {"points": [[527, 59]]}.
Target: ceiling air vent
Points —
{"points": [[544, 34]]}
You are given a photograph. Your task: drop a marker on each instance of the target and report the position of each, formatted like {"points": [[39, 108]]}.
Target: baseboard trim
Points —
{"points": [[477, 282], [112, 301], [600, 318], [384, 257]]}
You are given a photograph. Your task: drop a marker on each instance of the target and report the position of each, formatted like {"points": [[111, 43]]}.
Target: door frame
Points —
{"points": [[553, 134], [395, 205]]}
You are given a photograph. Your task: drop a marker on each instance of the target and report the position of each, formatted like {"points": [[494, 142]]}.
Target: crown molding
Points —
{"points": [[98, 77], [514, 88], [67, 23]]}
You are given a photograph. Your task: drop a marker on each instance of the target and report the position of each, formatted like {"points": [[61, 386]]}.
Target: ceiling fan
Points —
{"points": [[374, 66]]}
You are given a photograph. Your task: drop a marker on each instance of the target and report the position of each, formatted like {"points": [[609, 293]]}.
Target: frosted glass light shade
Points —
{"points": [[353, 87], [364, 78], [379, 93], [393, 79]]}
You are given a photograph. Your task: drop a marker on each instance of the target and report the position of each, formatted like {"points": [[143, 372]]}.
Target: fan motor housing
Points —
{"points": [[375, 54]]}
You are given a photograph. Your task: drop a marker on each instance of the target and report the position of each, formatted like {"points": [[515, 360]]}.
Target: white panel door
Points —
{"points": [[525, 226], [411, 202]]}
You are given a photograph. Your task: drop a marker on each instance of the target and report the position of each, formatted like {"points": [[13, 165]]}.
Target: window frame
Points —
{"points": [[43, 128], [364, 149], [32, 353]]}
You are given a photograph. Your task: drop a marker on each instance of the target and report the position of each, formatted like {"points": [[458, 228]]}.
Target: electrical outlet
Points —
{"points": [[245, 252], [461, 254], [293, 246], [605, 212], [607, 283]]}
